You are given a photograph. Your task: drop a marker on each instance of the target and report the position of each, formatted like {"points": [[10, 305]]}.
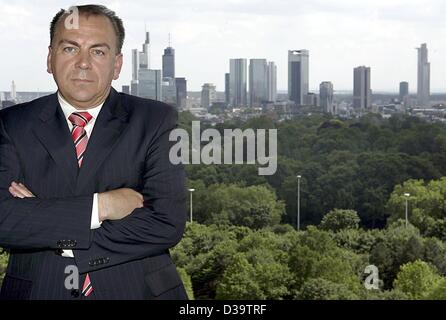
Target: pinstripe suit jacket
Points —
{"points": [[129, 147]]}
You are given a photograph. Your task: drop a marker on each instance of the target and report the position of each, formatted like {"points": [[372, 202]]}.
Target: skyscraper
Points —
{"points": [[257, 82], [13, 92], [150, 84], [271, 82], [135, 69], [227, 85], [326, 97], [135, 64], [423, 85], [144, 56], [298, 75], [169, 91], [238, 82], [169, 63], [361, 89], [181, 85], [208, 95], [404, 90]]}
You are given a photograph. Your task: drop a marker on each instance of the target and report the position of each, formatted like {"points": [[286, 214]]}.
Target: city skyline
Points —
{"points": [[339, 36]]}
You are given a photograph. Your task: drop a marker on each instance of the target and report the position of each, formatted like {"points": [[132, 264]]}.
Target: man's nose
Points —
{"points": [[84, 60]]}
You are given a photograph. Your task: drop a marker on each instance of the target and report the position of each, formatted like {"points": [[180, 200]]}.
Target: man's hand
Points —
{"points": [[18, 190], [119, 203]]}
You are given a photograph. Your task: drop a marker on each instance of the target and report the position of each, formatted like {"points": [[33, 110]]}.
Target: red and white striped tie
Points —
{"points": [[80, 139], [78, 133]]}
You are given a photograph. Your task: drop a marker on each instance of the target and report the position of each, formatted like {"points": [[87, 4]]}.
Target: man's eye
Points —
{"points": [[69, 49], [98, 52]]}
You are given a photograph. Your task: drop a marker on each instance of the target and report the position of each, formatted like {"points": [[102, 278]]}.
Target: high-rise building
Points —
{"points": [[134, 87], [271, 83], [13, 92], [208, 95], [238, 83], [423, 85], [326, 97], [227, 86], [135, 64], [144, 56], [404, 90], [150, 84], [169, 91], [181, 86], [135, 68], [169, 63], [298, 75], [362, 100], [257, 82]]}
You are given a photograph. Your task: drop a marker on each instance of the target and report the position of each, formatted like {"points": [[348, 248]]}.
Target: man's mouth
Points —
{"points": [[82, 80]]}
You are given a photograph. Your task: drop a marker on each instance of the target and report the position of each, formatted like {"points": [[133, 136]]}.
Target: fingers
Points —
{"points": [[20, 191]]}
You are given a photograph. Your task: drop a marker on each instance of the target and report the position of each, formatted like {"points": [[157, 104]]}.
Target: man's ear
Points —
{"points": [[118, 65], [49, 69]]}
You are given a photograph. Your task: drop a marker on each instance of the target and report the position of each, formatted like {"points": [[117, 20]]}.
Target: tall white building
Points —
{"points": [[13, 91], [238, 82], [135, 68], [326, 97], [208, 95], [298, 75], [272, 82], [423, 85], [362, 94]]}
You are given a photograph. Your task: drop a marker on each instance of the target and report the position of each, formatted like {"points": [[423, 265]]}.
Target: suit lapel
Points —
{"points": [[55, 136], [111, 121]]}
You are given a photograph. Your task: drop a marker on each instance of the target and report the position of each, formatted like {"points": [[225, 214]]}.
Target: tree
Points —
{"points": [[239, 282], [322, 289], [3, 264], [427, 204], [187, 283], [316, 255], [338, 219], [417, 279], [438, 292], [255, 207]]}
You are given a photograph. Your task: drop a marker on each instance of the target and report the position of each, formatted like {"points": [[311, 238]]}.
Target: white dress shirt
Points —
{"points": [[68, 109]]}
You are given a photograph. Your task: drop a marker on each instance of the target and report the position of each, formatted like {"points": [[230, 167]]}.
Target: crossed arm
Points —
{"points": [[112, 205]]}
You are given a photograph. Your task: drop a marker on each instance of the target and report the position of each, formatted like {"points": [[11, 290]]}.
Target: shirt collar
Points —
{"points": [[68, 109]]}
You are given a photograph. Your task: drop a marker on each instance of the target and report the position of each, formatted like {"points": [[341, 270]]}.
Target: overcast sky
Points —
{"points": [[339, 34]]}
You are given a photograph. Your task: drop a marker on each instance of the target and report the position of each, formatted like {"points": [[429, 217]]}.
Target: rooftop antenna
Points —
{"points": [[170, 40], [147, 34]]}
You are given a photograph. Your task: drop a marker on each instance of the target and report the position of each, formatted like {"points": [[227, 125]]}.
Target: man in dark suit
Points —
{"points": [[85, 178]]}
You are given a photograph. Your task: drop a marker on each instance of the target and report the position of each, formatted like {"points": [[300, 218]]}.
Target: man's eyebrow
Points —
{"points": [[100, 45], [69, 41], [96, 45]]}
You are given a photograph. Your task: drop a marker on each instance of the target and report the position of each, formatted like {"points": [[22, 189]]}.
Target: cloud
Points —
{"points": [[339, 34]]}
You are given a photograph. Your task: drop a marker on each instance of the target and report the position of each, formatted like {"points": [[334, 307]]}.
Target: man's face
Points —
{"points": [[84, 61]]}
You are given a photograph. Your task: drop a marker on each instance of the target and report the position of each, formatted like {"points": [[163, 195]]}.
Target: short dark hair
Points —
{"points": [[97, 10]]}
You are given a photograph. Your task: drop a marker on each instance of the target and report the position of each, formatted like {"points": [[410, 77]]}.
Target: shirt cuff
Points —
{"points": [[67, 253], [95, 223]]}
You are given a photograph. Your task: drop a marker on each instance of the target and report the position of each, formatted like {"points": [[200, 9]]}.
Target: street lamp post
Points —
{"points": [[191, 208], [407, 195], [298, 202]]}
